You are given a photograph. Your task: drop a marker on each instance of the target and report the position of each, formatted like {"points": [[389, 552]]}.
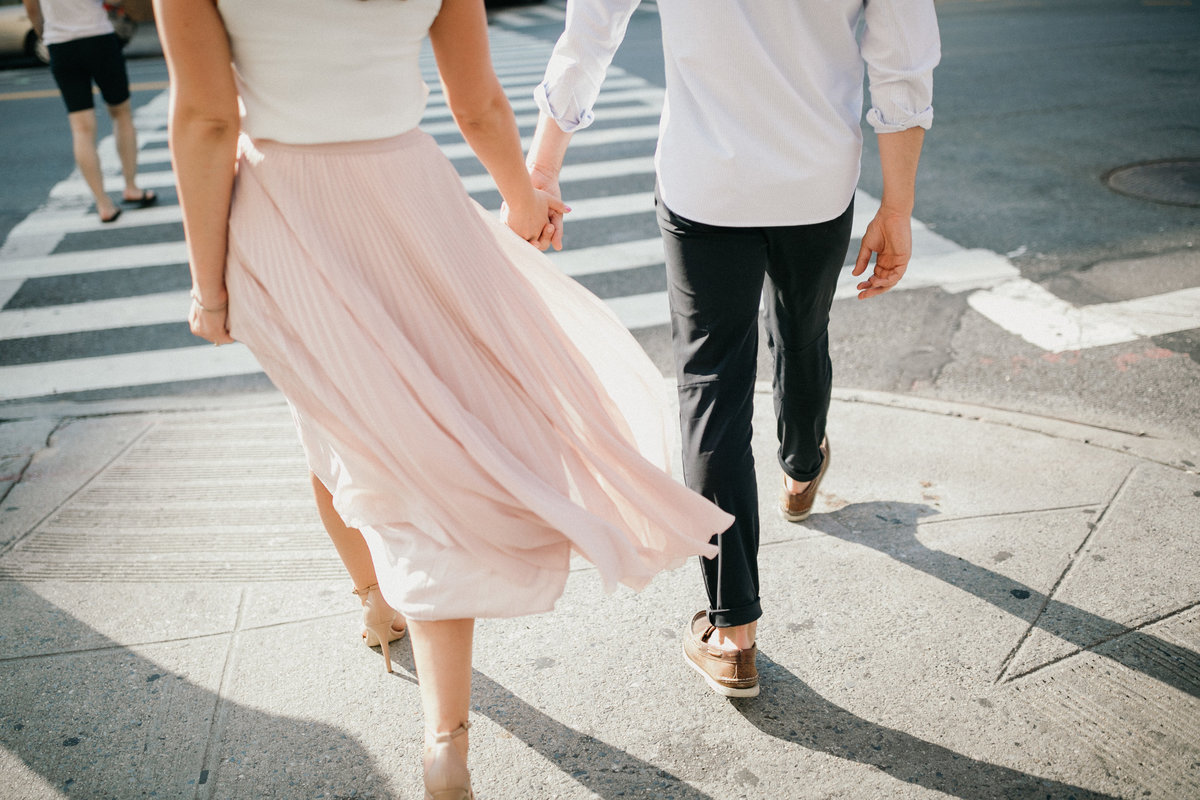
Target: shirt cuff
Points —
{"points": [[569, 117], [899, 120]]}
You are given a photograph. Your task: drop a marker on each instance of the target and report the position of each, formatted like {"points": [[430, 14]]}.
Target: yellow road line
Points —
{"points": [[146, 86]]}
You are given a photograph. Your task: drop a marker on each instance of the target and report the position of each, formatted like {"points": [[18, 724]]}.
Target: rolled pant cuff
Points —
{"points": [[729, 617], [800, 478]]}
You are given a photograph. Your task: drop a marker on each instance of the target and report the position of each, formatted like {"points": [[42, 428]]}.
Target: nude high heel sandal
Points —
{"points": [[446, 774], [379, 621]]}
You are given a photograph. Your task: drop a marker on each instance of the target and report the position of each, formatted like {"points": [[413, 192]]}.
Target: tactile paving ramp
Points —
{"points": [[151, 516]]}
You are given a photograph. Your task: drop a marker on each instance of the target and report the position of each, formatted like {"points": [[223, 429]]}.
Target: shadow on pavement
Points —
{"points": [[607, 771], [895, 535], [788, 709], [108, 722]]}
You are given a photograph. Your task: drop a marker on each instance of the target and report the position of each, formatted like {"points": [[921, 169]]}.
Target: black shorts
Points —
{"points": [[77, 63]]}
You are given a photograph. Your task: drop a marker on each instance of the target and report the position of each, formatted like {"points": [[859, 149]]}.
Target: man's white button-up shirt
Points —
{"points": [[761, 123]]}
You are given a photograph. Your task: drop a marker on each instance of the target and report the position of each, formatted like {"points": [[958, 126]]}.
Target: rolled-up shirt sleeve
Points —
{"points": [[594, 29], [901, 46]]}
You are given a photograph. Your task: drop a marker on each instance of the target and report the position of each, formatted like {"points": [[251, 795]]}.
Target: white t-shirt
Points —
{"points": [[68, 20], [314, 71], [761, 124]]}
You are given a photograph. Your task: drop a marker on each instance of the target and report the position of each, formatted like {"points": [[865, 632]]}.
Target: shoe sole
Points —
{"points": [[719, 688], [790, 517]]}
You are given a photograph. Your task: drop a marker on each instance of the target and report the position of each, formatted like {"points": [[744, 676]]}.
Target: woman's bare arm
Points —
{"points": [[482, 111], [203, 136]]}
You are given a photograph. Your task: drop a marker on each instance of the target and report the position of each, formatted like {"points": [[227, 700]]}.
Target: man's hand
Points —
{"points": [[889, 237], [548, 183], [534, 221]]}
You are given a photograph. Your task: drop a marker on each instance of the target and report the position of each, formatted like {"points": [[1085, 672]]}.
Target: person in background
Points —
{"points": [[85, 50], [757, 162], [471, 417]]}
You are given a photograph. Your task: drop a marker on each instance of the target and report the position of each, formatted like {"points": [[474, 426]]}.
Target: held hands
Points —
{"points": [[538, 220], [889, 236], [547, 181], [208, 318]]}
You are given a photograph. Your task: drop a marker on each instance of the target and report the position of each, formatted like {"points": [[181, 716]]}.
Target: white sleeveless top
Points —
{"points": [[311, 71], [68, 20]]}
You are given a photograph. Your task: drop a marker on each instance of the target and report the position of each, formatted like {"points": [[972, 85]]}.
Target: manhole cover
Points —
{"points": [[1174, 182]]}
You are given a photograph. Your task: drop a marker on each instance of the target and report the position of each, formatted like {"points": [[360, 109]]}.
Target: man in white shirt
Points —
{"points": [[757, 162], [84, 50]]}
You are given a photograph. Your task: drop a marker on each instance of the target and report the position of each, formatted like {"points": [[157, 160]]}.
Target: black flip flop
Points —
{"points": [[148, 198], [113, 218]]}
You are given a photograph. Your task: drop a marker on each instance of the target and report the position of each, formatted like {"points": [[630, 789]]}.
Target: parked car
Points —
{"points": [[17, 37]]}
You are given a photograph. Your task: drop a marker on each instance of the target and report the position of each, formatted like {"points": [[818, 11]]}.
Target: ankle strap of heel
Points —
{"points": [[366, 590], [454, 734]]}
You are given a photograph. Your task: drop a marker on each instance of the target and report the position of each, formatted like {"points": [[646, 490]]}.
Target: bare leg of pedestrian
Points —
{"points": [[127, 149], [442, 655], [83, 141], [381, 623]]}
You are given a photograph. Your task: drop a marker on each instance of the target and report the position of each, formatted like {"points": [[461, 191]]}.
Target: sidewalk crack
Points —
{"points": [[210, 762], [1106, 640], [1094, 526], [20, 476]]}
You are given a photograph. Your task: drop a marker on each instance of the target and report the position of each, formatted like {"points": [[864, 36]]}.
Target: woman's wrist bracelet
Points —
{"points": [[202, 307]]}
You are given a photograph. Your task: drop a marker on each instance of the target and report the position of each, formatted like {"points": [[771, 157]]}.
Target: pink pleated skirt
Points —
{"points": [[478, 415]]}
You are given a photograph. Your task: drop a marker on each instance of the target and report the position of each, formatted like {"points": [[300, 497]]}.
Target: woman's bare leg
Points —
{"points": [[442, 654], [350, 544]]}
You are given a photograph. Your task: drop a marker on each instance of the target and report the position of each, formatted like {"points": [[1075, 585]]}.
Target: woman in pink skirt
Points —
{"points": [[471, 417]]}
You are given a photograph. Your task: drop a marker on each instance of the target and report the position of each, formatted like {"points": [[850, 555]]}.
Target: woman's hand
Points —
{"points": [[538, 218], [208, 317], [547, 181]]}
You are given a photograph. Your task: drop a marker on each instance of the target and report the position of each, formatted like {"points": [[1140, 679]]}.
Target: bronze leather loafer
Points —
{"points": [[797, 507], [728, 674]]}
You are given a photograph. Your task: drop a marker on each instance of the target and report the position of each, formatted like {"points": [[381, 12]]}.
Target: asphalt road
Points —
{"points": [[1035, 104]]}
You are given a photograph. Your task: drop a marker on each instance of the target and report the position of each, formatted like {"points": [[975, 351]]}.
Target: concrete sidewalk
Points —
{"points": [[986, 605]]}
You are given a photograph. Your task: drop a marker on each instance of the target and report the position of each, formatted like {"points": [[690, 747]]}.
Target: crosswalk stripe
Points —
{"points": [[637, 311], [522, 104], [136, 255], [576, 172], [613, 206], [75, 221], [551, 13], [955, 272], [523, 88], [586, 138], [529, 120], [74, 187], [609, 257], [126, 369], [1024, 308], [94, 315]]}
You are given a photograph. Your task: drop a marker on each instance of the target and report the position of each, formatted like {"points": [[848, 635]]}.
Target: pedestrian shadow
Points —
{"points": [[788, 709], [107, 721], [606, 771], [895, 535]]}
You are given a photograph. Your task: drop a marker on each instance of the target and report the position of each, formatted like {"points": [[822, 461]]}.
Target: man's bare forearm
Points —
{"points": [[899, 154]]}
